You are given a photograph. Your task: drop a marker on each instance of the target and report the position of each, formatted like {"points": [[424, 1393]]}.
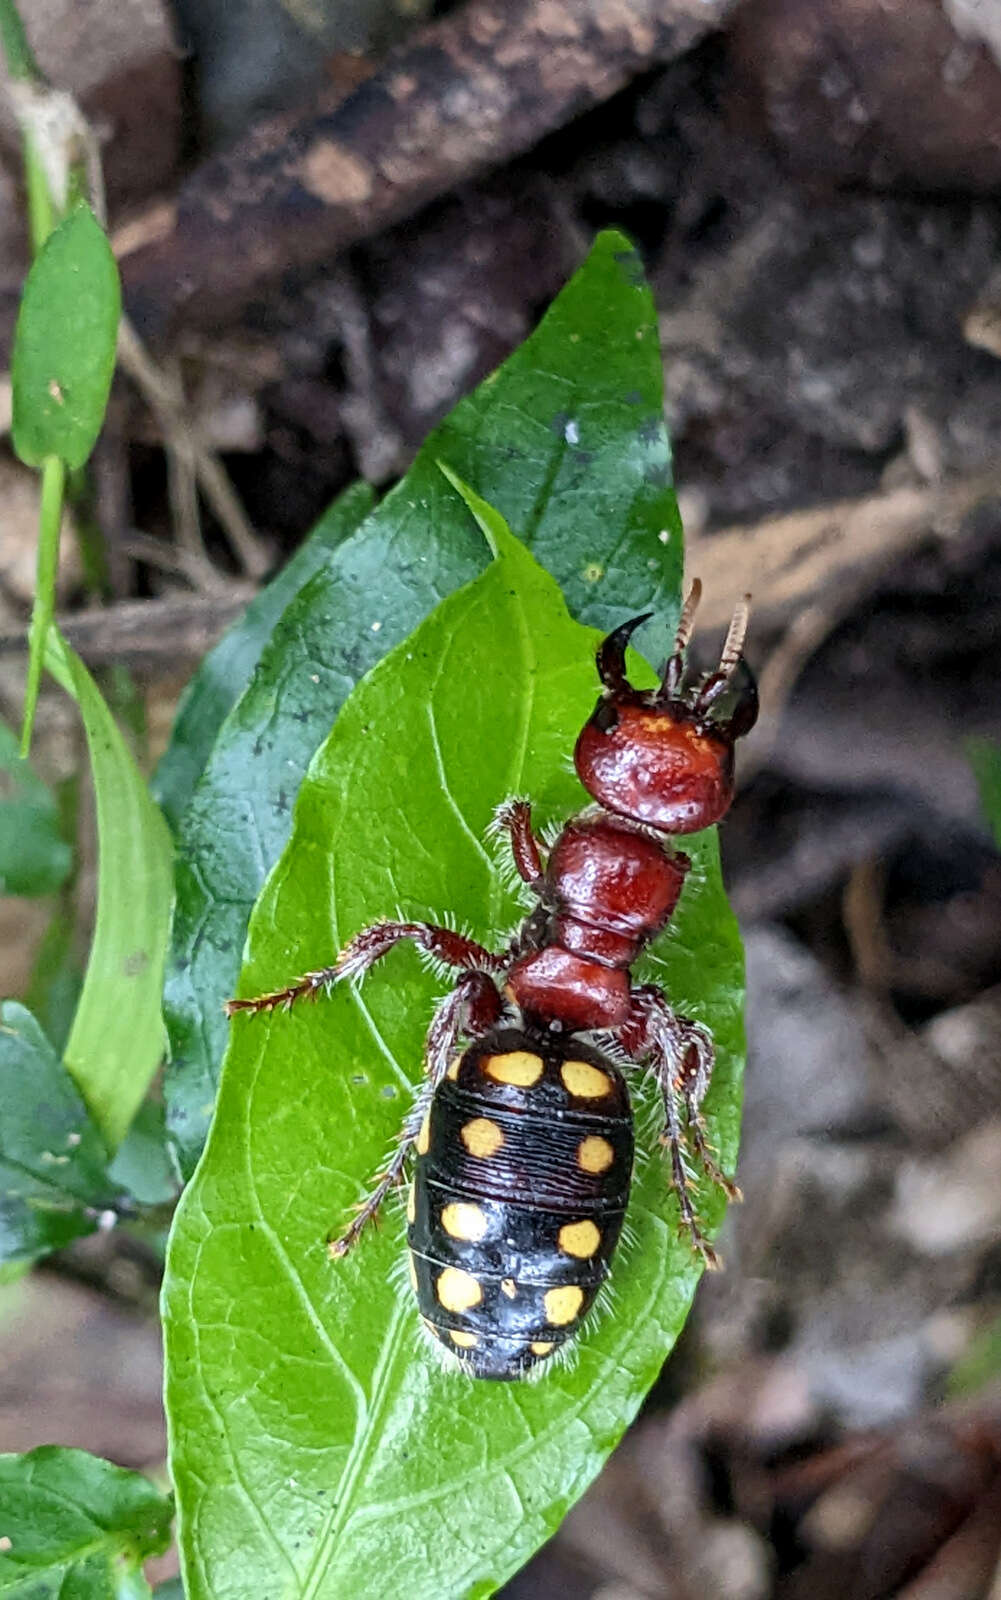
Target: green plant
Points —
{"points": [[316, 1448]]}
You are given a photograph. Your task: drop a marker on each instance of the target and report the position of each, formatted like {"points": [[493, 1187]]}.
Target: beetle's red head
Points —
{"points": [[664, 756]]}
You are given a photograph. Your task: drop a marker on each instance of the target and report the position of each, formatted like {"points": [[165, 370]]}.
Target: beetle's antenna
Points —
{"points": [[687, 618], [734, 642], [674, 669]]}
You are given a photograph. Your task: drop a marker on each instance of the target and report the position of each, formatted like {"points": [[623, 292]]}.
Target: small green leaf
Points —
{"points": [[34, 857], [351, 1463], [77, 1528], [54, 1183], [567, 440], [985, 759], [64, 347], [116, 1041], [226, 670]]}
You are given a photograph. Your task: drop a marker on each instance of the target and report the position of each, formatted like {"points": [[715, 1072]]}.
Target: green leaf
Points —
{"points": [[223, 675], [985, 759], [34, 857], [316, 1442], [54, 1184], [56, 979], [64, 346], [77, 1528], [116, 1041], [142, 1164], [567, 440]]}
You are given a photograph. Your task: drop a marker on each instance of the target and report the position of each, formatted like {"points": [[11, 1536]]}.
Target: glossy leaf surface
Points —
{"points": [[76, 1527], [64, 347], [567, 440], [54, 1183], [116, 1041], [34, 857], [226, 670], [316, 1440]]}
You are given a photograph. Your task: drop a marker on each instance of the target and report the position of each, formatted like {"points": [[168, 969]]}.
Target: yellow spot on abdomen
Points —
{"points": [[453, 1071], [541, 1347], [458, 1290], [465, 1341], [563, 1304], [412, 1202], [481, 1137], [518, 1067], [579, 1239], [424, 1136], [464, 1221], [594, 1154], [585, 1081], [413, 1274]]}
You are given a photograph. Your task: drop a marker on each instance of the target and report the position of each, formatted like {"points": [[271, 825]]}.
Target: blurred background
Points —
{"points": [[815, 186]]}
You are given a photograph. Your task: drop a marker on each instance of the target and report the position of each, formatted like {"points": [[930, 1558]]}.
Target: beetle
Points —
{"points": [[522, 1127]]}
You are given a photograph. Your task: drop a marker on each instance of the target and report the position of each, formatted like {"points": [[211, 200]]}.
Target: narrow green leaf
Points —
{"points": [[34, 857], [64, 346], [21, 63], [567, 440], [226, 670], [77, 1528], [116, 1041], [351, 1462], [54, 1184], [985, 759]]}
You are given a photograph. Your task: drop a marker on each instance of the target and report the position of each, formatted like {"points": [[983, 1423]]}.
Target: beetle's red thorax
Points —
{"points": [[609, 889]]}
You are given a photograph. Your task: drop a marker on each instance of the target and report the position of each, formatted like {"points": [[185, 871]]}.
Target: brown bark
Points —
{"points": [[464, 95]]}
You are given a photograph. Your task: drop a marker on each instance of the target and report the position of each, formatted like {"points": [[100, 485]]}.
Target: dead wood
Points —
{"points": [[462, 96], [807, 557], [150, 635]]}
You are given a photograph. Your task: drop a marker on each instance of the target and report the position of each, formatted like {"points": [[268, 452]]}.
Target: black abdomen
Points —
{"points": [[519, 1193]]}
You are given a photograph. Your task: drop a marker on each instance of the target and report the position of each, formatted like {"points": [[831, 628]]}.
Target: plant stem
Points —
{"points": [[21, 63], [49, 522]]}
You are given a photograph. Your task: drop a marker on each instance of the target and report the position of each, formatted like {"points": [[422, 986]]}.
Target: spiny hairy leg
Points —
{"points": [[472, 1009], [681, 1054], [514, 818], [368, 947]]}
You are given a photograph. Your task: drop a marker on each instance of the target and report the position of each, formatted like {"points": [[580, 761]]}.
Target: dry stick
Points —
{"points": [[460, 97], [158, 635], [166, 399], [790, 561]]}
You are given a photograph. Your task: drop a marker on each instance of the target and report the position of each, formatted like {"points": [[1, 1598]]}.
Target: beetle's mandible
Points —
{"points": [[522, 1128]]}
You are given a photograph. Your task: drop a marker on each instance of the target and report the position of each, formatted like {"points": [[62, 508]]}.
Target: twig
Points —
{"points": [[194, 461], [796, 560], [462, 96], [157, 635]]}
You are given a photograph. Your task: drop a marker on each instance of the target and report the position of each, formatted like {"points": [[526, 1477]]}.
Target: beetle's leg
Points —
{"points": [[692, 1079], [681, 1055], [368, 947], [471, 1009], [514, 818]]}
